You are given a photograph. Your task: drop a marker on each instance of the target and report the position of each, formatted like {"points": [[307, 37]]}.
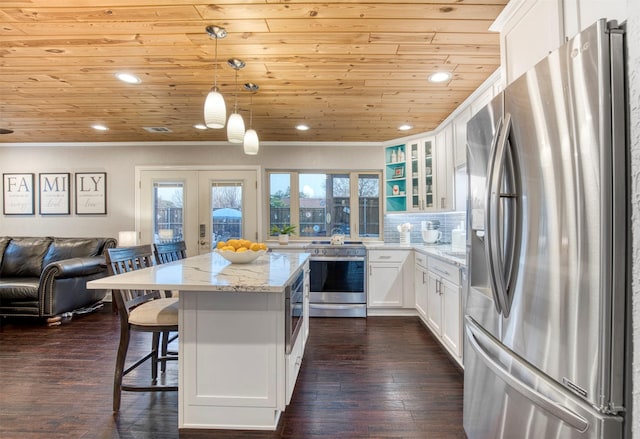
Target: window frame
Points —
{"points": [[294, 205]]}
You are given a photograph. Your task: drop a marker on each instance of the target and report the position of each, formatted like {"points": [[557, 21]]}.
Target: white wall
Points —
{"points": [[119, 163], [633, 26]]}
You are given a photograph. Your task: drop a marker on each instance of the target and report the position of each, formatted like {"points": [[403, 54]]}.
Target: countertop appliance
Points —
{"points": [[337, 279], [547, 324]]}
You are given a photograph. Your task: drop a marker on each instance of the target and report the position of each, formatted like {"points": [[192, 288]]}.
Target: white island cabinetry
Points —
{"points": [[235, 371]]}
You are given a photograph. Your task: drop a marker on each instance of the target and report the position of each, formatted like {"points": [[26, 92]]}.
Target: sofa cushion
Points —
{"points": [[23, 257], [18, 289], [67, 248]]}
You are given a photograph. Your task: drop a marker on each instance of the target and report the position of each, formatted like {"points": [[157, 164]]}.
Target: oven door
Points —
{"points": [[337, 280]]}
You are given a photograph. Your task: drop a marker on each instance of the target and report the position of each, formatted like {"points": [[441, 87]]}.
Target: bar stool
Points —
{"points": [[169, 252], [139, 310]]}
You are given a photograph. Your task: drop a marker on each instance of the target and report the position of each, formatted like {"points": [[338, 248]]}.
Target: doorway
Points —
{"points": [[199, 206]]}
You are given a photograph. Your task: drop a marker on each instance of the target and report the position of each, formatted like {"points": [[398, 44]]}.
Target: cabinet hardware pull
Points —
{"points": [[445, 272]]}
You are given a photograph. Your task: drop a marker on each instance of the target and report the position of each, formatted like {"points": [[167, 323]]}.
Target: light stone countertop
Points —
{"points": [[442, 251], [271, 273]]}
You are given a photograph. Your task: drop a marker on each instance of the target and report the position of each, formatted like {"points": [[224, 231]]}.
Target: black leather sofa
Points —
{"points": [[46, 277]]}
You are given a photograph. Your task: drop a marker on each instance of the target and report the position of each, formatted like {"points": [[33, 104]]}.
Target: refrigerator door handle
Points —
{"points": [[488, 217], [501, 220], [487, 350]]}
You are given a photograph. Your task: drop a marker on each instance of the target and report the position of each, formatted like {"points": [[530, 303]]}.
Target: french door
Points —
{"points": [[200, 207]]}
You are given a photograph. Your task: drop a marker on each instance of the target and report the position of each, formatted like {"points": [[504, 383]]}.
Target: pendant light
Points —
{"points": [[235, 126], [251, 144], [215, 110]]}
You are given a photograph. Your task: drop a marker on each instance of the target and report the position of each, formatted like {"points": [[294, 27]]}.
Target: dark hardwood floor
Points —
{"points": [[381, 377]]}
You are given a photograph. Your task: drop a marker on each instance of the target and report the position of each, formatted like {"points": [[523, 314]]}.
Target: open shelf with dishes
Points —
{"points": [[395, 189]]}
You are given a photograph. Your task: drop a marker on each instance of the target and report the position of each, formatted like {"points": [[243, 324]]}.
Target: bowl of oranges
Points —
{"points": [[240, 251]]}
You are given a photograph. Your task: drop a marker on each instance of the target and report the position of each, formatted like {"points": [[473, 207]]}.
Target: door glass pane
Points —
{"points": [[324, 204], [279, 200], [369, 205], [168, 204], [226, 218]]}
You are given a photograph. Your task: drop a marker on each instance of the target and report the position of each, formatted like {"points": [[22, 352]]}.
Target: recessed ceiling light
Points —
{"points": [[128, 78], [439, 77], [405, 127], [99, 127], [200, 126], [302, 127]]}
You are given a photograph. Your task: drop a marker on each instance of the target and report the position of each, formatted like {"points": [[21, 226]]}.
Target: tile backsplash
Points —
{"points": [[448, 222]]}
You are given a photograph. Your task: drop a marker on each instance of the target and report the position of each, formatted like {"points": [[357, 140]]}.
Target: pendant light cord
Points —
{"points": [[215, 68]]}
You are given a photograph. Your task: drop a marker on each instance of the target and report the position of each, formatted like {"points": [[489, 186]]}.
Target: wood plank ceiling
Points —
{"points": [[351, 70]]}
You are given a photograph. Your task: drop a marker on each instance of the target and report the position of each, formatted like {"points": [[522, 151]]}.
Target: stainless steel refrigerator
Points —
{"points": [[547, 317]]}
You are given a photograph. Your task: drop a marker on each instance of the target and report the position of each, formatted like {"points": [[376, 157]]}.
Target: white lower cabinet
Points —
{"points": [[438, 290], [420, 284], [390, 280]]}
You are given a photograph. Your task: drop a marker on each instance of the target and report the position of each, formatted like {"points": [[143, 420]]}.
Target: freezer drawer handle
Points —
{"points": [[476, 338]]}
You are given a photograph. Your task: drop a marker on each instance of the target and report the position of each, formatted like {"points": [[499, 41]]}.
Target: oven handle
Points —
{"points": [[337, 258]]}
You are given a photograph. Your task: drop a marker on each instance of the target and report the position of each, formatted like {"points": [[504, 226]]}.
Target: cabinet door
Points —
{"points": [[385, 284], [443, 199], [451, 334], [460, 137], [520, 50], [421, 284], [434, 303]]}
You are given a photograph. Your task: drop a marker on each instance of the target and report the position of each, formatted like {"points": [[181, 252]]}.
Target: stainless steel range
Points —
{"points": [[338, 279]]}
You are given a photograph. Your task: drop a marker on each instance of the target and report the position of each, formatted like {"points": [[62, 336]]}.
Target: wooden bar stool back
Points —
{"points": [[169, 252], [139, 310]]}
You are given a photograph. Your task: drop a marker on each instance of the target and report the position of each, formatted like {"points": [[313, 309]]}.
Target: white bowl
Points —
{"points": [[242, 257]]}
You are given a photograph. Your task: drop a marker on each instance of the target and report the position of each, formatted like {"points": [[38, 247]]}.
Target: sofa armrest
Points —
{"points": [[73, 267], [63, 284]]}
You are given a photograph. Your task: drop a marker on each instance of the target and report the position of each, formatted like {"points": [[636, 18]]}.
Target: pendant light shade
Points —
{"points": [[235, 128], [235, 125], [251, 143], [215, 110]]}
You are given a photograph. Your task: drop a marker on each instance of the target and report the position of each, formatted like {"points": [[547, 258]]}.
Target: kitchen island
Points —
{"points": [[236, 368]]}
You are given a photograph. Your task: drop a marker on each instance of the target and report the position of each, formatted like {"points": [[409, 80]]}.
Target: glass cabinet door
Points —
{"points": [[416, 196], [427, 146]]}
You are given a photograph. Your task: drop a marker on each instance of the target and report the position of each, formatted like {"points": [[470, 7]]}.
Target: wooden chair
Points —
{"points": [[169, 252], [139, 310]]}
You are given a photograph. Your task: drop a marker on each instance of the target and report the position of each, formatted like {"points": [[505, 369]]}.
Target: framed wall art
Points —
{"points": [[55, 194], [91, 193], [18, 194]]}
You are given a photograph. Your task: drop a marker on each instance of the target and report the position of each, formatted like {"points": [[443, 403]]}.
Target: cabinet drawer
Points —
{"points": [[421, 259], [387, 255], [447, 271]]}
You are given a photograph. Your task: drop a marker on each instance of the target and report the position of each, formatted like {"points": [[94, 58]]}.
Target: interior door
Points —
{"points": [[200, 207]]}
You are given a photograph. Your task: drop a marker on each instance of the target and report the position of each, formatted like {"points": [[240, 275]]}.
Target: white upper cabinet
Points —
{"points": [[460, 137], [531, 29], [443, 189], [580, 14]]}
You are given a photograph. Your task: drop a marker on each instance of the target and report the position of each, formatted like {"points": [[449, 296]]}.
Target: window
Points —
{"points": [[226, 203], [279, 200], [323, 204], [168, 206]]}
